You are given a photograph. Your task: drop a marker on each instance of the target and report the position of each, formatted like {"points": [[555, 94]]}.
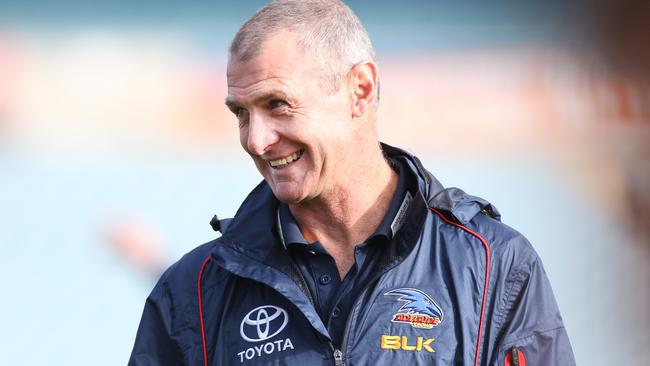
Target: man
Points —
{"points": [[348, 252]]}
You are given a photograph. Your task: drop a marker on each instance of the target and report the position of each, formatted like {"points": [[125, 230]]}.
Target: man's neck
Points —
{"points": [[350, 213]]}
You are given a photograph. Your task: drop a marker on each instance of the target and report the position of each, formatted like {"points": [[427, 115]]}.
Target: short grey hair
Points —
{"points": [[326, 28]]}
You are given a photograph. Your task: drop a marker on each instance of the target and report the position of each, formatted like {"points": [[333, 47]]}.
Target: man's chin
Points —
{"points": [[288, 196]]}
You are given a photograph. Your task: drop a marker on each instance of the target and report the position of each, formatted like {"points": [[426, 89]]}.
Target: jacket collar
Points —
{"points": [[454, 201], [253, 228], [255, 218], [253, 232]]}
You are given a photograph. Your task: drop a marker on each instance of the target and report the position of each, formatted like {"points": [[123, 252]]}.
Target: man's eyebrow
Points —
{"points": [[230, 103]]}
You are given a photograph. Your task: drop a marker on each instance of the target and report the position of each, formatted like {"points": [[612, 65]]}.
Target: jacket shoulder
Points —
{"points": [[175, 293], [177, 286], [524, 313], [502, 238], [166, 334], [188, 266]]}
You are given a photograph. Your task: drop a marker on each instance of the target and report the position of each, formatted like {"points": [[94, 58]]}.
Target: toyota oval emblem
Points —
{"points": [[263, 322]]}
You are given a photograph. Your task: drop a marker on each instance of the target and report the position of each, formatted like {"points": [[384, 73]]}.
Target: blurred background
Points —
{"points": [[116, 150]]}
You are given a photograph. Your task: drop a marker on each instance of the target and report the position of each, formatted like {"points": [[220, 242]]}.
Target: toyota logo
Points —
{"points": [[263, 322]]}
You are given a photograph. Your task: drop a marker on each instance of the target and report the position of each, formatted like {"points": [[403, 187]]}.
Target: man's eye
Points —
{"points": [[276, 103], [242, 114]]}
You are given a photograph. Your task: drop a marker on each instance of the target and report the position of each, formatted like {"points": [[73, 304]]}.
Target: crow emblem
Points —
{"points": [[419, 310]]}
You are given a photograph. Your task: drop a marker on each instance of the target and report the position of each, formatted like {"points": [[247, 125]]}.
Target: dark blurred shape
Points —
{"points": [[214, 222], [219, 225], [638, 180], [619, 36], [621, 31]]}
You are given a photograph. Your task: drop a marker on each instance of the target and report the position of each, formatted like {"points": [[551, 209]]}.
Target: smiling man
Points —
{"points": [[349, 252]]}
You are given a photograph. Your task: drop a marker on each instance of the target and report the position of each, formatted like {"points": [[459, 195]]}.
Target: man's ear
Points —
{"points": [[363, 84]]}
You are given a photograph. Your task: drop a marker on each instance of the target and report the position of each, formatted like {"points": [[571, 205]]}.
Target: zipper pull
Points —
{"points": [[515, 357], [514, 352], [338, 357]]}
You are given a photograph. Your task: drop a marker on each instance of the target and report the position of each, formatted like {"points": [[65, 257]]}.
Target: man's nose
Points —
{"points": [[261, 135]]}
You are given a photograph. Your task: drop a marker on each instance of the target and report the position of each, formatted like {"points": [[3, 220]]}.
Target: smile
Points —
{"points": [[285, 161]]}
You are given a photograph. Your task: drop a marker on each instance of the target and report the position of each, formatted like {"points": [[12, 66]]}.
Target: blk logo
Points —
{"points": [[397, 342], [263, 322]]}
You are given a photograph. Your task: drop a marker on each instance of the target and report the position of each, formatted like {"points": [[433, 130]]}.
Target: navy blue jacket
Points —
{"points": [[456, 287]]}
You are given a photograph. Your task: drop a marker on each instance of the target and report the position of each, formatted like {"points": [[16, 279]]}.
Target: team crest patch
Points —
{"points": [[419, 309]]}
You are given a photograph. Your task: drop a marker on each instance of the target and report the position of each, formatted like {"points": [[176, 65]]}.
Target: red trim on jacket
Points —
{"points": [[205, 348], [483, 303], [485, 285]]}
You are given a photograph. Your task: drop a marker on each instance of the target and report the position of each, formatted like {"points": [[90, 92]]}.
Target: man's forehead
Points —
{"points": [[249, 81], [240, 74], [254, 89], [278, 68]]}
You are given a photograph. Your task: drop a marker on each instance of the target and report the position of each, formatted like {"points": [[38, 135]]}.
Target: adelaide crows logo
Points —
{"points": [[420, 310]]}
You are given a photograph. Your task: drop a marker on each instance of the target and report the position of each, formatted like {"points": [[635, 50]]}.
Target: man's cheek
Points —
{"points": [[262, 166], [243, 138]]}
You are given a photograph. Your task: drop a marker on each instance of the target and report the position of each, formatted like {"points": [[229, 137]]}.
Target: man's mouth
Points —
{"points": [[285, 161]]}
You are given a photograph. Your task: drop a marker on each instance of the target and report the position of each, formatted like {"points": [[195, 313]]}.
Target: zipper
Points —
{"points": [[338, 357], [488, 212], [514, 356], [304, 287], [338, 354]]}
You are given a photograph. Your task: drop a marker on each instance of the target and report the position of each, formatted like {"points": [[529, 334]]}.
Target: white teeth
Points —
{"points": [[293, 157], [286, 160]]}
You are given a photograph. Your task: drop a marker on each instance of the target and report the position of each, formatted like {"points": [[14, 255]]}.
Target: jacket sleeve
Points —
{"points": [[155, 343], [531, 325]]}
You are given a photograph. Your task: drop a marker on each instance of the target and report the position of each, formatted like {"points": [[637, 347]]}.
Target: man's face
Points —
{"points": [[299, 135]]}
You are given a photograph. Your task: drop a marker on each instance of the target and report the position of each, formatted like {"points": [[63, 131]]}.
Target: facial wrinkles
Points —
{"points": [[249, 94], [255, 70], [250, 83], [281, 123]]}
